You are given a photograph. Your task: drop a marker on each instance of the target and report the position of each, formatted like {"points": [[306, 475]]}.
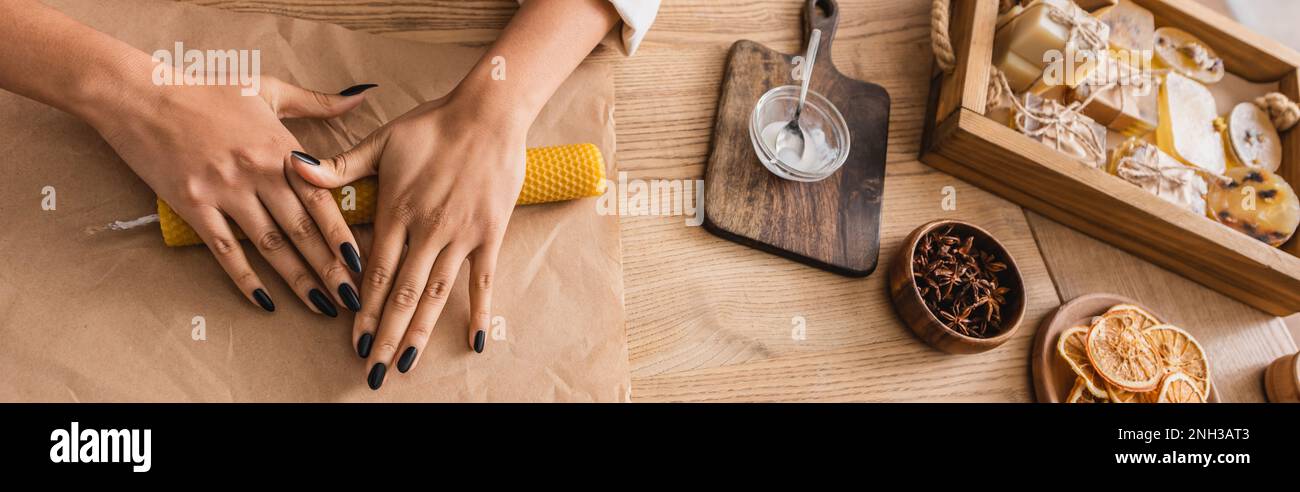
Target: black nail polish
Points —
{"points": [[408, 357], [305, 157], [479, 339], [264, 300], [363, 345], [324, 304], [350, 298], [376, 378], [357, 89], [351, 257]]}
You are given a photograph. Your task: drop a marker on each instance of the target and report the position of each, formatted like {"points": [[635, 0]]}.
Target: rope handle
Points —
{"points": [[939, 39]]}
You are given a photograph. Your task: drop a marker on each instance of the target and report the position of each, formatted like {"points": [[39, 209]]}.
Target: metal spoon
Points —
{"points": [[791, 139]]}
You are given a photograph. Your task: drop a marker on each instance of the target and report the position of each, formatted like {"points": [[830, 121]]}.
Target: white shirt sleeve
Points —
{"points": [[637, 17]]}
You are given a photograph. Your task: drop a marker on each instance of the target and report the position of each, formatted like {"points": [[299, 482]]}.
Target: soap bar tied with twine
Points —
{"points": [[1061, 127], [1119, 96], [1146, 166]]}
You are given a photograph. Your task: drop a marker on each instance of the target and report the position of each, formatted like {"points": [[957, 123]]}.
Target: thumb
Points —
{"points": [[356, 163], [296, 102]]}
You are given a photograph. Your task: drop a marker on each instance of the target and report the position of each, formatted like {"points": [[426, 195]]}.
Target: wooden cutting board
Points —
{"points": [[833, 224]]}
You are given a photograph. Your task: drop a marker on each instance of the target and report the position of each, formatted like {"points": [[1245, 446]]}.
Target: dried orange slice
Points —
{"points": [[1121, 354], [1072, 346], [1081, 394], [1117, 395], [1179, 388], [1143, 317], [1180, 353]]}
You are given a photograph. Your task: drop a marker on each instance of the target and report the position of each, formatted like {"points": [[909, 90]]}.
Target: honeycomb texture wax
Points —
{"points": [[551, 174]]}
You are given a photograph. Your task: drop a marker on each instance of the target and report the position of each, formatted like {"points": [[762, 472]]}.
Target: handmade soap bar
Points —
{"points": [[1121, 97], [1186, 129], [1132, 31], [1251, 139], [1257, 203], [1144, 165], [1044, 27], [1181, 52], [1062, 128]]}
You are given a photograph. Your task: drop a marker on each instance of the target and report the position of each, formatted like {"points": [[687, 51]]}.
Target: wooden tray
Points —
{"points": [[959, 140], [833, 224], [1053, 378]]}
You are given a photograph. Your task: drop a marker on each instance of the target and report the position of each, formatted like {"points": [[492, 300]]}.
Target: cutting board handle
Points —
{"points": [[824, 15]]}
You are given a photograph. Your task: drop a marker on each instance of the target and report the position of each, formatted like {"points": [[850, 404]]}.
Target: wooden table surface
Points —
{"points": [[710, 320]]}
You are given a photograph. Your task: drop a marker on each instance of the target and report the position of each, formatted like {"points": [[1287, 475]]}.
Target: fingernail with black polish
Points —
{"points": [[357, 89], [408, 357], [324, 304], [479, 339], [305, 157], [376, 378], [264, 300], [350, 298], [351, 257], [363, 345]]}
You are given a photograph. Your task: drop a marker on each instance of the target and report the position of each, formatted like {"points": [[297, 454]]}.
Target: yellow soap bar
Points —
{"points": [[1187, 130], [551, 174], [1257, 203], [1020, 45]]}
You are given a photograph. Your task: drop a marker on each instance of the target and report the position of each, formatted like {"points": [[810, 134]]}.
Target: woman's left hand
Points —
{"points": [[449, 172]]}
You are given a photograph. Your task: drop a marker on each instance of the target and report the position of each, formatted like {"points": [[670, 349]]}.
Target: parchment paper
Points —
{"points": [[109, 317]]}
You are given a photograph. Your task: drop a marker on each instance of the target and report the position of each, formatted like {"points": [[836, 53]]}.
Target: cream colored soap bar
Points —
{"points": [[1251, 139], [1020, 45], [1186, 129], [1132, 30]]}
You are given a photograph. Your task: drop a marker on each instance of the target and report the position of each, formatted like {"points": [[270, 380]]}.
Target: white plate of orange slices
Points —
{"points": [[1105, 348]]}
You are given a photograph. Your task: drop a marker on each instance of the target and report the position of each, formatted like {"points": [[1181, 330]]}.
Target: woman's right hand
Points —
{"points": [[212, 153]]}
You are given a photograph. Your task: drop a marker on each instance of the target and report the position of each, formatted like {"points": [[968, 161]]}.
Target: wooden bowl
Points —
{"points": [[911, 308], [1053, 378], [1282, 380]]}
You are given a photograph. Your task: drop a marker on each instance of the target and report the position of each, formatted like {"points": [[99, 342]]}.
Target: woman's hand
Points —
{"points": [[450, 172], [209, 151], [212, 153]]}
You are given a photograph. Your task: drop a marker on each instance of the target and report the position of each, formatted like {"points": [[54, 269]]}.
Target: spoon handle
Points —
{"points": [[810, 56]]}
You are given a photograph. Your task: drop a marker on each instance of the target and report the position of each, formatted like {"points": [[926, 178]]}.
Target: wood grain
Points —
{"points": [[1240, 341], [710, 320], [1103, 205], [832, 224]]}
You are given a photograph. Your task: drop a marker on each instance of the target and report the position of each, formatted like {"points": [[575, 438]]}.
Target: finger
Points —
{"points": [[215, 232], [436, 290], [400, 307], [356, 163], [384, 255], [291, 101], [303, 232], [482, 273], [258, 225], [325, 211]]}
